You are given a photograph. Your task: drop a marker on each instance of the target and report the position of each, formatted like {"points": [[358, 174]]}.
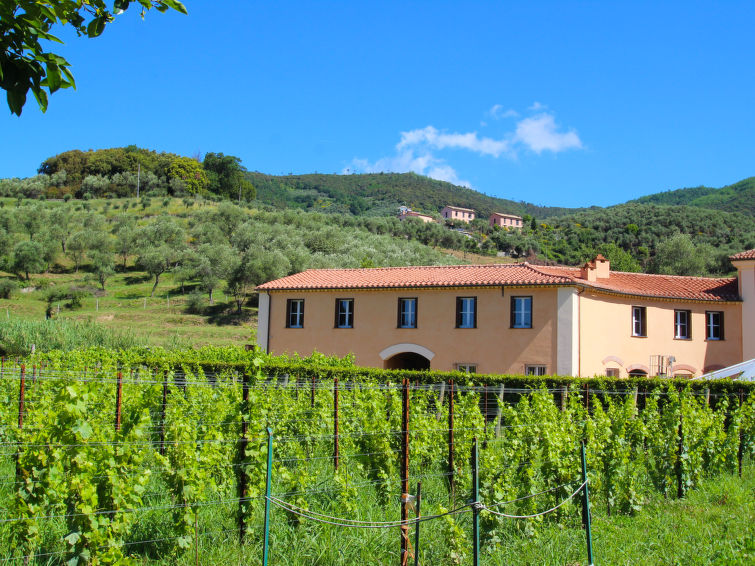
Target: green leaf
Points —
{"points": [[53, 79], [73, 538], [96, 26], [83, 429], [41, 97], [16, 100]]}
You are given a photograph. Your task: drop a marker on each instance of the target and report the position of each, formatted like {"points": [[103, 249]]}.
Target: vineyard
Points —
{"points": [[148, 457]]}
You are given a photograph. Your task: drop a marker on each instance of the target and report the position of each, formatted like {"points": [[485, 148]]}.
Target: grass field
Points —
{"points": [[126, 305]]}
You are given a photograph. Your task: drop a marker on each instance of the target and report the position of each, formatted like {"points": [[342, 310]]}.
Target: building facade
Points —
{"points": [[404, 214], [515, 318], [458, 213], [505, 220]]}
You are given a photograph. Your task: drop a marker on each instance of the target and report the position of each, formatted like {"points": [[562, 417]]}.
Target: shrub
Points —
{"points": [[6, 288], [195, 303]]}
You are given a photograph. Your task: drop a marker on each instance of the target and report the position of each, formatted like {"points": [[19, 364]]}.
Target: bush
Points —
{"points": [[74, 296], [6, 288], [195, 303]]}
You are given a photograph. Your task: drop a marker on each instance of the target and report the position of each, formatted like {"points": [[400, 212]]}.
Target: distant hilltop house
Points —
{"points": [[458, 213], [516, 318], [505, 220], [405, 212]]}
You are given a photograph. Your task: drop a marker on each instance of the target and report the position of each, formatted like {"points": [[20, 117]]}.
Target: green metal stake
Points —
{"points": [[267, 495], [475, 508], [586, 507]]}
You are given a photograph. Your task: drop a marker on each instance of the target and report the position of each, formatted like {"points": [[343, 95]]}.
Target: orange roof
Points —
{"points": [[459, 208], [749, 254], [511, 274], [661, 286], [423, 276], [506, 215]]}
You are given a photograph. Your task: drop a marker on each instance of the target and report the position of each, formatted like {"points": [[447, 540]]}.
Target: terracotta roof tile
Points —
{"points": [[424, 276], [639, 284], [749, 254], [647, 285]]}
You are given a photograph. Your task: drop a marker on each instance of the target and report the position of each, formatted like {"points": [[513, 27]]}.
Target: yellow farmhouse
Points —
{"points": [[515, 318]]}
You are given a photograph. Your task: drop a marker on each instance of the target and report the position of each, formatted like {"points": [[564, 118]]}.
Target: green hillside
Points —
{"points": [[381, 193], [739, 197]]}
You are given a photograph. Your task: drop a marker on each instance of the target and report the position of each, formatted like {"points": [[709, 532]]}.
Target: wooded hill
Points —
{"points": [[687, 231], [739, 197], [381, 194]]}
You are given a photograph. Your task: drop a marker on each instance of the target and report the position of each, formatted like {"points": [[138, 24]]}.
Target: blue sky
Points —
{"points": [[557, 103]]}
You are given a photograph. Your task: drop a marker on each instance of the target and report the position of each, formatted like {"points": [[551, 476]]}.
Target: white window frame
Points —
{"points": [[466, 367], [535, 369], [407, 312], [521, 312], [682, 328], [467, 314], [714, 330], [639, 321], [295, 314], [347, 313]]}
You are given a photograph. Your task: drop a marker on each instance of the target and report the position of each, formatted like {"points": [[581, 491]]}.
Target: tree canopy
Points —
{"points": [[25, 24]]}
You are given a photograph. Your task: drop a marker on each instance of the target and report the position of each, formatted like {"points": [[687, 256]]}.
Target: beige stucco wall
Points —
{"points": [[746, 273], [606, 331], [493, 346]]}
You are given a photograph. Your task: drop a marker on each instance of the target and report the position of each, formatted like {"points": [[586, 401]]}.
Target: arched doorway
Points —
{"points": [[407, 360]]}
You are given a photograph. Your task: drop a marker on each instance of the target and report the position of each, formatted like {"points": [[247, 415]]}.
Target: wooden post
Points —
{"points": [[707, 396], [564, 393], [440, 400], [499, 411], [118, 396], [21, 395], [242, 459], [635, 393], [587, 397], [451, 438], [312, 399], [405, 473], [162, 413], [335, 424]]}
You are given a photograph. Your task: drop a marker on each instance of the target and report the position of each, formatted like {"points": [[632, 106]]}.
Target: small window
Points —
{"points": [[639, 321], [467, 368], [295, 313], [682, 327], [612, 372], [466, 312], [344, 313], [534, 370], [714, 325], [521, 312], [407, 313], [638, 373]]}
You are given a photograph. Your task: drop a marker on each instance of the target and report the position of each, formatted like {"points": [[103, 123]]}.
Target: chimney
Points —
{"points": [[589, 272], [599, 268], [603, 266]]}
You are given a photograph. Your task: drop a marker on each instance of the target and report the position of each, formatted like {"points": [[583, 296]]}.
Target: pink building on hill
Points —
{"points": [[505, 220], [458, 213]]}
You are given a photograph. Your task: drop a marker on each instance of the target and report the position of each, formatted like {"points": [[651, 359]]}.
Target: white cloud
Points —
{"points": [[407, 160], [417, 149], [539, 133], [497, 112], [431, 137], [536, 106]]}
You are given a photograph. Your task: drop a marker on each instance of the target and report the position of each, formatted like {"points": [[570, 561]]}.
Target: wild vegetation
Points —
{"points": [[142, 467]]}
